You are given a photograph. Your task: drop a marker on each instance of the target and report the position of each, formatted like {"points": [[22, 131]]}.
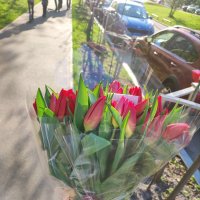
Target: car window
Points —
{"points": [[183, 48], [162, 39], [132, 11]]}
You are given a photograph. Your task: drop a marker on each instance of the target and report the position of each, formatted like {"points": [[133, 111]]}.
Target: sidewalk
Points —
{"points": [[31, 55]]}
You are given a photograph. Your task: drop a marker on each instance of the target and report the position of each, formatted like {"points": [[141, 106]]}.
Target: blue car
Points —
{"points": [[133, 15]]}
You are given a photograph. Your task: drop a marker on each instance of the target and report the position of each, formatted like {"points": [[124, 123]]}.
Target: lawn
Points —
{"points": [[11, 9], [180, 17]]}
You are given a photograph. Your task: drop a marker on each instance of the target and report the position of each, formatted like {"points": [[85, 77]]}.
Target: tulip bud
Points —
{"points": [[35, 106], [174, 131], [141, 106], [115, 87], [53, 102], [94, 114]]}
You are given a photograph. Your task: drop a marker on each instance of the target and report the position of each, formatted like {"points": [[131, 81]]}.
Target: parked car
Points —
{"points": [[192, 9], [172, 54], [197, 12], [184, 7], [132, 14]]}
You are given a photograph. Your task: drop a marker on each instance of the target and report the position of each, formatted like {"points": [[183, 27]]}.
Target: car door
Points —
{"points": [[158, 56], [171, 56], [182, 59]]}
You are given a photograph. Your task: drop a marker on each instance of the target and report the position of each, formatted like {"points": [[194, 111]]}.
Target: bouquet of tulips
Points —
{"points": [[103, 142]]}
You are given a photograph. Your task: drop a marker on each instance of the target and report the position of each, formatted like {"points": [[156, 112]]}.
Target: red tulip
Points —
{"points": [[175, 130], [94, 114], [65, 104], [53, 102], [115, 87], [71, 101], [136, 91], [35, 106], [123, 107], [141, 106]]}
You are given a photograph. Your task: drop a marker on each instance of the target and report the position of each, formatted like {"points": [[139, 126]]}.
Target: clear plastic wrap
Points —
{"points": [[108, 151]]}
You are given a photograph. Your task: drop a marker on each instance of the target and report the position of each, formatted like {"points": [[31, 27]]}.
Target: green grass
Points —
{"points": [[180, 17], [80, 18], [11, 9]]}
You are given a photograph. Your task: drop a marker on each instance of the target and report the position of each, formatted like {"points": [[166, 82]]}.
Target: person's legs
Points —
{"points": [[29, 10], [59, 4], [68, 4], [56, 5], [32, 11]]}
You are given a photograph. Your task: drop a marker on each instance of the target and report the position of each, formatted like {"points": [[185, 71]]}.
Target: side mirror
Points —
{"points": [[149, 39]]}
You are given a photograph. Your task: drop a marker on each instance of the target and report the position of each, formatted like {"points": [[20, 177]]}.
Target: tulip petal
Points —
{"points": [[173, 131], [94, 114]]}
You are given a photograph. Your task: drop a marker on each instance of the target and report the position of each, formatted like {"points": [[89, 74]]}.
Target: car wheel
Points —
{"points": [[170, 85]]}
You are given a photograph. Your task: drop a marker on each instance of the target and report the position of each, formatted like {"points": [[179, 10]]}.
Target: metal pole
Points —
{"points": [[185, 178]]}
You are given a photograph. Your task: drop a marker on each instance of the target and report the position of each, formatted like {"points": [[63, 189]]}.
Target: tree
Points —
{"points": [[174, 4]]}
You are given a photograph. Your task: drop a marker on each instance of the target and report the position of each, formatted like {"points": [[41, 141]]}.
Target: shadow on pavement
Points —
{"points": [[30, 25]]}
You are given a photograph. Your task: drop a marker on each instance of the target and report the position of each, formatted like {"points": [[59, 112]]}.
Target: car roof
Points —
{"points": [[130, 2]]}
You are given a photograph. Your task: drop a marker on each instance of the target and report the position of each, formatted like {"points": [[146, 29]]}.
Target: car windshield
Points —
{"points": [[132, 11]]}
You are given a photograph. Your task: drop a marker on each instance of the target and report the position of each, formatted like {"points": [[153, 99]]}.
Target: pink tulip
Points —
{"points": [[53, 102], [122, 105], [155, 128], [175, 130], [115, 87], [94, 114], [101, 92], [141, 106]]}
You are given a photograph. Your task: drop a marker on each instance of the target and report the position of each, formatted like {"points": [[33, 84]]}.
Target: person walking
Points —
{"points": [[68, 3], [31, 9], [44, 5], [58, 4]]}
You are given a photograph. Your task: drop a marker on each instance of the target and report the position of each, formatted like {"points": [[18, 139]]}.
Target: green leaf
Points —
{"points": [[47, 96], [40, 103], [81, 104], [102, 157], [120, 148], [153, 108], [115, 114], [96, 90], [173, 116], [92, 97], [48, 112], [125, 89], [144, 114], [107, 88], [105, 127], [92, 144]]}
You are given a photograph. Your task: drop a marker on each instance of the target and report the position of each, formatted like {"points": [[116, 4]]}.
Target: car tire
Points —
{"points": [[170, 85]]}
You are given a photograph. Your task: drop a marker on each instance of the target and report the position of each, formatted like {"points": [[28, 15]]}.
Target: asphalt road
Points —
{"points": [[31, 55], [158, 26]]}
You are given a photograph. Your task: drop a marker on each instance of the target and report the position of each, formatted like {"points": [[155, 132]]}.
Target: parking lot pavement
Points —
{"points": [[31, 55]]}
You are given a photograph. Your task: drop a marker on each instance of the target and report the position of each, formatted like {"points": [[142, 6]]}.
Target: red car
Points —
{"points": [[172, 54]]}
